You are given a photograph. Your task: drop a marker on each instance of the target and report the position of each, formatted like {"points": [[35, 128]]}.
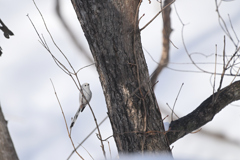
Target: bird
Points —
{"points": [[83, 100]]}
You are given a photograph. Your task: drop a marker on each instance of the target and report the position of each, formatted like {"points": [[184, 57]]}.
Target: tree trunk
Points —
{"points": [[7, 150], [111, 29]]}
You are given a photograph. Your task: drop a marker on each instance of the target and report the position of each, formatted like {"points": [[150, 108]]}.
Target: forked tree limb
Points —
{"points": [[204, 113]]}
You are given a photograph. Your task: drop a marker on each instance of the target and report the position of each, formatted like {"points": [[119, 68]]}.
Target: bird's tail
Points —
{"points": [[75, 117]]}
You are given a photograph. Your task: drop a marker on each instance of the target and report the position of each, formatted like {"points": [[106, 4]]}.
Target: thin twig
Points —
{"points": [[85, 67], [52, 36], [214, 81], [156, 16], [183, 41], [94, 117], [235, 75], [172, 110], [42, 41], [77, 82], [87, 137], [193, 71], [109, 150], [165, 117], [141, 18], [87, 152], [223, 72], [173, 44], [176, 101], [224, 26], [65, 121], [107, 138], [233, 28]]}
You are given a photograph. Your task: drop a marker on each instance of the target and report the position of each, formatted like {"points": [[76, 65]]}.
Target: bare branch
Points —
{"points": [[71, 74], [233, 29], [69, 135], [185, 47], [204, 113], [172, 111], [166, 35], [157, 14], [215, 68], [87, 137], [176, 100], [85, 67], [109, 150], [88, 152], [223, 71], [52, 37], [223, 24]]}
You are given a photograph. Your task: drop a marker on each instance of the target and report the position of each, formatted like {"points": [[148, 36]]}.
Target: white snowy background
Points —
{"points": [[34, 117]]}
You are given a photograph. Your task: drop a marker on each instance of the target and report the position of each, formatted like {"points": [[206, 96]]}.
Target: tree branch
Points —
{"points": [[204, 113], [166, 34]]}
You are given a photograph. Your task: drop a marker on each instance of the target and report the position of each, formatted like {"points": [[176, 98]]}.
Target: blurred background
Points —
{"points": [[35, 121]]}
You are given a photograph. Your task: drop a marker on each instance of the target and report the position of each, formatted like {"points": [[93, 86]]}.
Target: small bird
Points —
{"points": [[83, 100]]}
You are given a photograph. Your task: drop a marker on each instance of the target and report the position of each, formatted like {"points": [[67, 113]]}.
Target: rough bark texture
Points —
{"points": [[114, 40], [204, 113], [7, 150]]}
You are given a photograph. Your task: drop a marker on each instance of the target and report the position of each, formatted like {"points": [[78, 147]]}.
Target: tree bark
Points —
{"points": [[7, 150], [111, 29]]}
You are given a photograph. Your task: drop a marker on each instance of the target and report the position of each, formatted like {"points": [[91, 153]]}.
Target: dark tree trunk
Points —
{"points": [[112, 32], [7, 150]]}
